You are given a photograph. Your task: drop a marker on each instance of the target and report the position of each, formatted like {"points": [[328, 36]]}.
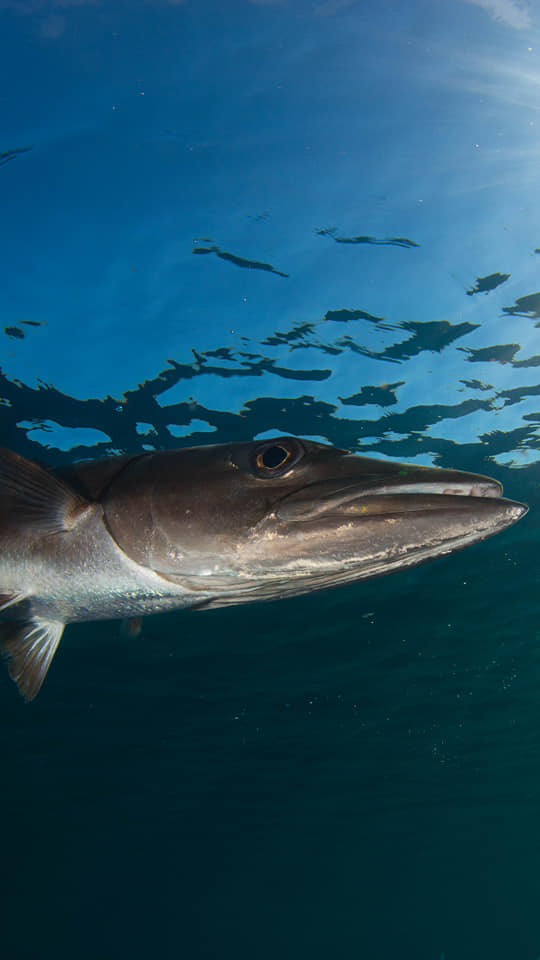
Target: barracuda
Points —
{"points": [[207, 526]]}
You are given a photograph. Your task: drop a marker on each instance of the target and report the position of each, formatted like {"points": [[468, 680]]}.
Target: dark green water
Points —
{"points": [[353, 774]]}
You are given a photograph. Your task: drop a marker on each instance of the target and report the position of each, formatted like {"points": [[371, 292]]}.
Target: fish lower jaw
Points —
{"points": [[361, 566]]}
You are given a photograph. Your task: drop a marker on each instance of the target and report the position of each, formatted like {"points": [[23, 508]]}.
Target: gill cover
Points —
{"points": [[180, 511]]}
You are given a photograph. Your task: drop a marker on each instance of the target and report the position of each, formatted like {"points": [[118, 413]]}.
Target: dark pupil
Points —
{"points": [[274, 457]]}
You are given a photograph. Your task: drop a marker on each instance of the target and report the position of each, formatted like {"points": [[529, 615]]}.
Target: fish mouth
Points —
{"points": [[401, 490], [368, 518]]}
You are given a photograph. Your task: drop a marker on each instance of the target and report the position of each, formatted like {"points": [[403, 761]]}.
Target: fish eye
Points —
{"points": [[273, 459]]}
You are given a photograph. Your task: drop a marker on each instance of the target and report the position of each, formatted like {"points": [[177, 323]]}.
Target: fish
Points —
{"points": [[207, 526]]}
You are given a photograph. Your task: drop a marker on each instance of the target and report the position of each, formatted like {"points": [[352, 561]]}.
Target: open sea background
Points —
{"points": [[228, 220]]}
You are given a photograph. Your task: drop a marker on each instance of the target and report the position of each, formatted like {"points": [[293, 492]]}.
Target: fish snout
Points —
{"points": [[400, 489]]}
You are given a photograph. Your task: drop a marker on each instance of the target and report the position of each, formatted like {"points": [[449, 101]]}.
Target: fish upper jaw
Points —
{"points": [[398, 487]]}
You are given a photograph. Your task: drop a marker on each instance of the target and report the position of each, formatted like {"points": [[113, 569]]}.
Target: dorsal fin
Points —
{"points": [[31, 496], [29, 646]]}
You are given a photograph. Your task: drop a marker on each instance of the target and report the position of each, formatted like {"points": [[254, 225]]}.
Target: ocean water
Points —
{"points": [[223, 221]]}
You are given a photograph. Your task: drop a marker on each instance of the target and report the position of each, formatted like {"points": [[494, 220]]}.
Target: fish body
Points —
{"points": [[214, 525]]}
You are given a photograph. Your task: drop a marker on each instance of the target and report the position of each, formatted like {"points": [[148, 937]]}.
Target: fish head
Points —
{"points": [[283, 516]]}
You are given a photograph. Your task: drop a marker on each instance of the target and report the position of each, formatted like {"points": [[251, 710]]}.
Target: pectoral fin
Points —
{"points": [[29, 646], [10, 599], [32, 497]]}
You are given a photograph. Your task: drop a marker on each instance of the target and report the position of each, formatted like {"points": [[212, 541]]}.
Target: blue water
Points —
{"points": [[230, 220]]}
